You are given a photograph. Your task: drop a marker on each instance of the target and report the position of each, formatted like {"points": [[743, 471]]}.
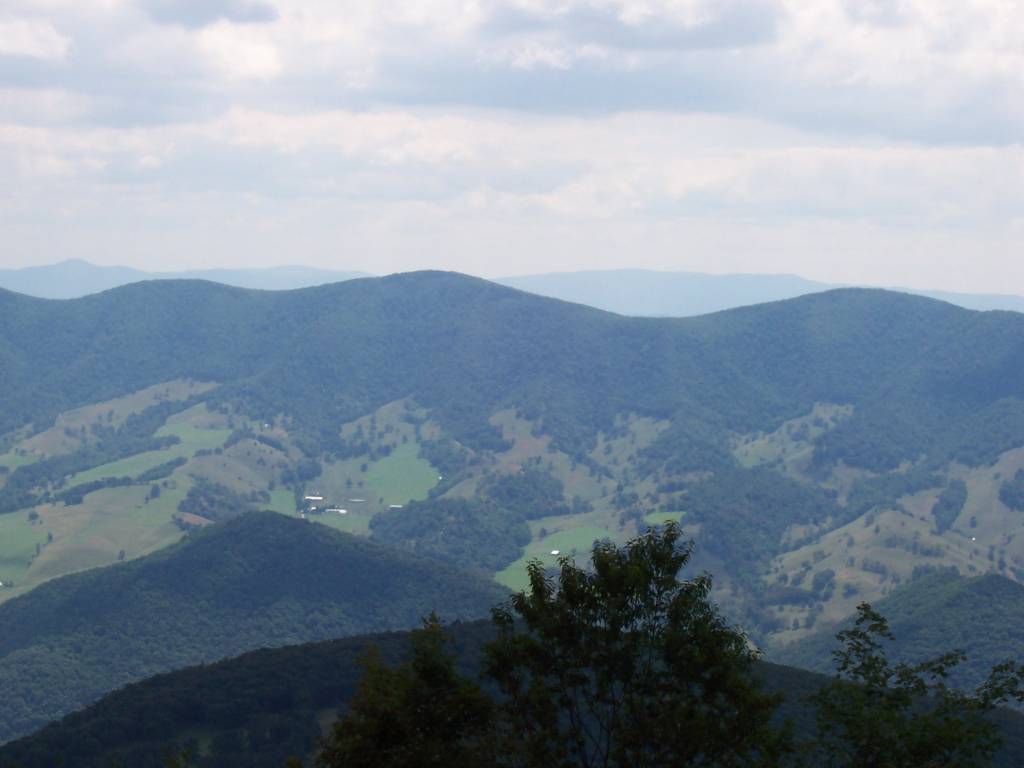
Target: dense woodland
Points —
{"points": [[256, 581], [486, 532]]}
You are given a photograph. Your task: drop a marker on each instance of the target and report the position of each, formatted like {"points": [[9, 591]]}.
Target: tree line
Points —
{"points": [[627, 665]]}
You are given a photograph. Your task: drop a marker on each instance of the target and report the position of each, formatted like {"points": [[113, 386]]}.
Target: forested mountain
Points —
{"points": [[75, 278], [639, 292], [821, 450], [648, 293], [465, 348], [941, 611], [264, 707], [255, 581]]}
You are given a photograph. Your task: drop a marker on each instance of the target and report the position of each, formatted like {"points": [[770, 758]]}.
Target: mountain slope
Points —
{"points": [[259, 580], [261, 708], [646, 293], [467, 347], [936, 613], [639, 292]]}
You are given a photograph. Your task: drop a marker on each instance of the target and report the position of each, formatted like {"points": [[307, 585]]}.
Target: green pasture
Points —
{"points": [[12, 460], [352, 522], [402, 476], [18, 539], [660, 518], [192, 439], [197, 437], [166, 504], [282, 500], [572, 542], [92, 534]]}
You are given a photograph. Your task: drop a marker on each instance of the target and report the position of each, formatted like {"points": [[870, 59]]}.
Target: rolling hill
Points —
{"points": [[648, 293], [75, 278], [818, 449], [261, 708], [637, 292], [255, 581]]}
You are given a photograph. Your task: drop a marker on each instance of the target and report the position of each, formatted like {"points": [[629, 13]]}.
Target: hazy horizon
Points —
{"points": [[676, 294]]}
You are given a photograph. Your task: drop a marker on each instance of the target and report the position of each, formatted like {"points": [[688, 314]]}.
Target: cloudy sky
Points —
{"points": [[872, 141]]}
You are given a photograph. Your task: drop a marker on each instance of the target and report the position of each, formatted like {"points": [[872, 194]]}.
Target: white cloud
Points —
{"points": [[34, 38], [505, 136], [240, 51], [45, 105]]}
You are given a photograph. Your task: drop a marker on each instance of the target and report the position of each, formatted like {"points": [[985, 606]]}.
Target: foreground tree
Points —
{"points": [[623, 665], [627, 665], [876, 714], [422, 713]]}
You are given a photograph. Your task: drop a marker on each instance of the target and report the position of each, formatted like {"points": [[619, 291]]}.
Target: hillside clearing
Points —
{"points": [[572, 542]]}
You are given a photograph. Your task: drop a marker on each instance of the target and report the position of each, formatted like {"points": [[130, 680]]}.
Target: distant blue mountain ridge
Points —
{"points": [[638, 292]]}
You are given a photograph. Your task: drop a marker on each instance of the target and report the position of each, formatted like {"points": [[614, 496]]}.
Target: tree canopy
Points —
{"points": [[628, 665], [624, 664], [877, 714]]}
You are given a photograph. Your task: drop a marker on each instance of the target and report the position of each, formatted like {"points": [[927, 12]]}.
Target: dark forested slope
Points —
{"points": [[258, 580], [981, 616], [259, 709], [74, 278]]}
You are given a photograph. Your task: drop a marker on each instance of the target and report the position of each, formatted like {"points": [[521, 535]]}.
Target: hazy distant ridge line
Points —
{"points": [[635, 292]]}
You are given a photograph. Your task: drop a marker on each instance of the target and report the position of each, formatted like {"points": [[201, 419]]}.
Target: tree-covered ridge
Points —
{"points": [[939, 611], [255, 581], [896, 358]]}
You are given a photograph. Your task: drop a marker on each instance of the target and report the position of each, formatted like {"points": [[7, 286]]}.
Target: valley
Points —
{"points": [[507, 384]]}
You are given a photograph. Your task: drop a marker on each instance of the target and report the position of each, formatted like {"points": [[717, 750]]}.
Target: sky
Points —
{"points": [[856, 141]]}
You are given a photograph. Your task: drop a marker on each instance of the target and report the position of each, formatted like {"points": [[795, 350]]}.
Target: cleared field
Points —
{"points": [[402, 476], [94, 533], [526, 447], [13, 460], [18, 540], [282, 500], [194, 436], [234, 469], [353, 522], [791, 445], [660, 518], [166, 505], [72, 430], [192, 439], [573, 542]]}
